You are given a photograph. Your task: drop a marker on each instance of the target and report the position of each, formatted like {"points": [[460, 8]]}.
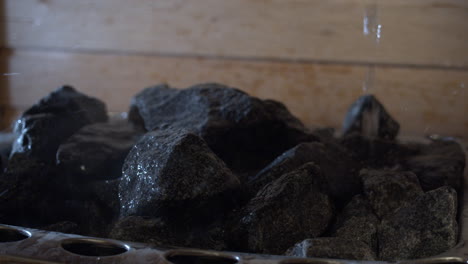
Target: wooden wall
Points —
{"points": [[311, 54]]}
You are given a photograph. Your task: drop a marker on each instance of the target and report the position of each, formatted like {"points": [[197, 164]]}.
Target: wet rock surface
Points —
{"points": [[289, 209], [332, 247], [379, 153], [97, 151], [337, 165], [173, 172], [48, 123], [424, 228], [368, 117], [243, 131], [390, 190], [211, 167], [440, 163]]}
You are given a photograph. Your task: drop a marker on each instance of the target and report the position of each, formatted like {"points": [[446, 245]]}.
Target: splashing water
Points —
{"points": [[371, 27]]}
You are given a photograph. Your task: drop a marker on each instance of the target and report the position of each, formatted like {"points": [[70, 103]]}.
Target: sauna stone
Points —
{"points": [[368, 117], [291, 208], [173, 173], [245, 132], [334, 161], [378, 153], [52, 120], [421, 229], [97, 151], [439, 164], [357, 221], [28, 189], [389, 190], [160, 232]]}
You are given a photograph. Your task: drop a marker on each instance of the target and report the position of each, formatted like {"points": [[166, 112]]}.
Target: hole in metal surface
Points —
{"points": [[93, 247], [199, 258], [9, 234]]}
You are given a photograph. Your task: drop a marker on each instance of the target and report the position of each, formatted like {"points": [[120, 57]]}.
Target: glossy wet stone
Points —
{"points": [[332, 247], [291, 208], [173, 173], [340, 170], [421, 229], [242, 130], [48, 123], [368, 117]]}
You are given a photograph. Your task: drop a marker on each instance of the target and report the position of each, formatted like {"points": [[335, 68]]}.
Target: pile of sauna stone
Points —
{"points": [[212, 167]]}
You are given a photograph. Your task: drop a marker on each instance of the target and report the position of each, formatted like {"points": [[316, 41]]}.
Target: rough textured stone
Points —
{"points": [[97, 151], [336, 164], [357, 221], [244, 131], [377, 152], [439, 163], [368, 117], [44, 126], [424, 228], [29, 193], [332, 247], [289, 209], [92, 217], [173, 172], [159, 232], [389, 190]]}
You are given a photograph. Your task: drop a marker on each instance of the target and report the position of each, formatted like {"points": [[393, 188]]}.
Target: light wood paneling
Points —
{"points": [[422, 100], [423, 32]]}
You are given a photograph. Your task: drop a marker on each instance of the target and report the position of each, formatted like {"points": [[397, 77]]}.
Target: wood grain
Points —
{"points": [[423, 101], [416, 32]]}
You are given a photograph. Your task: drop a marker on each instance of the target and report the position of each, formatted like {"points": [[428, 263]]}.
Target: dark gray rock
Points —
{"points": [[97, 151], [173, 173], [368, 117], [377, 152], [332, 247], [48, 123], [389, 190], [291, 208], [358, 222], [104, 194], [242, 130], [422, 229], [144, 230], [93, 218], [439, 164], [336, 164], [161, 233], [29, 192]]}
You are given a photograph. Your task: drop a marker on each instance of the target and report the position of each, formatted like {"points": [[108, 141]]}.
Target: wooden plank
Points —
{"points": [[422, 100], [422, 32]]}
